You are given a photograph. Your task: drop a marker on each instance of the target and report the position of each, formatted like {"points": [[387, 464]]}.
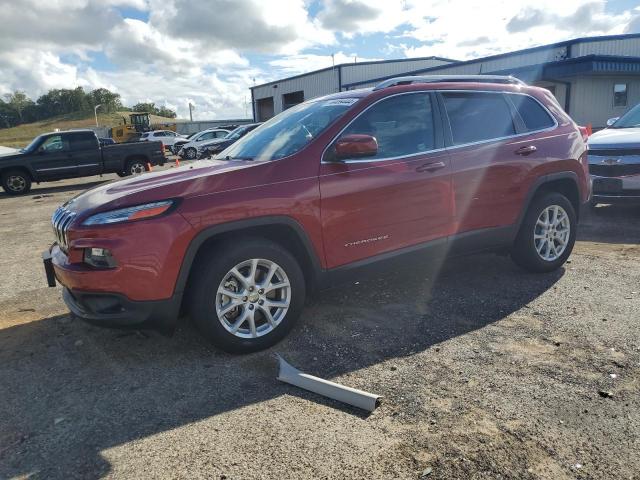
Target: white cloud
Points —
{"points": [[197, 51], [301, 63]]}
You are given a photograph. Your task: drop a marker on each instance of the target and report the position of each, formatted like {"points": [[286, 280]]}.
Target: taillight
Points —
{"points": [[585, 131]]}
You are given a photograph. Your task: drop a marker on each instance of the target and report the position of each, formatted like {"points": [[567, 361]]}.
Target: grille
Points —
{"points": [[62, 220], [614, 170]]}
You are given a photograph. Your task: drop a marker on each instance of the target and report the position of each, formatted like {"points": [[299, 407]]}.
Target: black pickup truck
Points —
{"points": [[71, 154]]}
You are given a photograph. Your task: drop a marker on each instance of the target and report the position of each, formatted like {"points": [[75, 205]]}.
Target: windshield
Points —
{"points": [[237, 133], [34, 143], [289, 131], [630, 119]]}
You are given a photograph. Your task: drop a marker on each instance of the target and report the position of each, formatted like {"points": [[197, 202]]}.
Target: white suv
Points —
{"points": [[188, 147], [167, 137]]}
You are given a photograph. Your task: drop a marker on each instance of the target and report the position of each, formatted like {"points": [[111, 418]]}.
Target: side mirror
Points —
{"points": [[356, 146], [611, 121]]}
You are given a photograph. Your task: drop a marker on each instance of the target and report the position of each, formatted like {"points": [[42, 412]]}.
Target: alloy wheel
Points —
{"points": [[16, 183], [137, 168], [253, 298], [551, 233]]}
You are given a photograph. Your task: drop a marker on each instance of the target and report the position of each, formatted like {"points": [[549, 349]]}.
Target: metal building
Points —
{"points": [[271, 98], [594, 78]]}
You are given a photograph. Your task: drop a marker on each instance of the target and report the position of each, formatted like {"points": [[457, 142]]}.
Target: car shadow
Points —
{"points": [[73, 390], [610, 224], [49, 190]]}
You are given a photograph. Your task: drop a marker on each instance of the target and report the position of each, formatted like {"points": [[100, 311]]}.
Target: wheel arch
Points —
{"points": [[565, 183], [282, 230], [4, 170]]}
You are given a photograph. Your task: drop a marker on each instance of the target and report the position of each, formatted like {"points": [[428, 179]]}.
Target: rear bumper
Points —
{"points": [[116, 310]]}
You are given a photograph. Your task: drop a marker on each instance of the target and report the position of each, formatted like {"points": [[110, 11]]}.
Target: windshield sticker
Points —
{"points": [[340, 101]]}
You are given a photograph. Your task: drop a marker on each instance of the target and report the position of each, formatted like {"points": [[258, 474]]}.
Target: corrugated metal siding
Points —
{"points": [[504, 63], [592, 98], [359, 72], [627, 47], [313, 85]]}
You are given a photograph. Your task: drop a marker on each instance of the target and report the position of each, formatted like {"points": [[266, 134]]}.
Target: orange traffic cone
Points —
{"points": [[177, 162], [149, 167]]}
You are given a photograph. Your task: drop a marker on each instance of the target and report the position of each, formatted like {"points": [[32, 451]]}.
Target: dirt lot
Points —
{"points": [[486, 372]]}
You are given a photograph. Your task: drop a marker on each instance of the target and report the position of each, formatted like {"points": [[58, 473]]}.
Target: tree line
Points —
{"points": [[17, 108]]}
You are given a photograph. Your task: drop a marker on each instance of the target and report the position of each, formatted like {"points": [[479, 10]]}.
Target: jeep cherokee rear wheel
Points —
{"points": [[547, 234], [246, 297]]}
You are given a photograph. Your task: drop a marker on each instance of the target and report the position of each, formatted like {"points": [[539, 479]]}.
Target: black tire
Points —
{"points": [[134, 167], [190, 153], [16, 182], [210, 272], [524, 252]]}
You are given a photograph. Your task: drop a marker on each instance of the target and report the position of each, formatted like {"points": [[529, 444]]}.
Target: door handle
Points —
{"points": [[430, 167], [529, 149]]}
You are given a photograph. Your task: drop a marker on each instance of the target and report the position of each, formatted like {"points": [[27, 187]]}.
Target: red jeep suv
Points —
{"points": [[415, 167]]}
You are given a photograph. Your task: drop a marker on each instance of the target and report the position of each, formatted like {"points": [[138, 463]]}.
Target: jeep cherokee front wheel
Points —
{"points": [[246, 297], [547, 234]]}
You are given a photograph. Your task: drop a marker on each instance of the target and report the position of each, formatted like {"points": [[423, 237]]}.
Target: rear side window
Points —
{"points": [[402, 124], [82, 141], [478, 116], [534, 116]]}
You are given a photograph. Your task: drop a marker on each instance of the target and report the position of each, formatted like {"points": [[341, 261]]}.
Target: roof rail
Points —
{"points": [[392, 82]]}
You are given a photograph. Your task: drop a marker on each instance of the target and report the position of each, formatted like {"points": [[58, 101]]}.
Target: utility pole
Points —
{"points": [[333, 67], [95, 112], [191, 107]]}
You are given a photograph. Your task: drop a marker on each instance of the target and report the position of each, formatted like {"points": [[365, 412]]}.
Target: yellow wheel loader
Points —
{"points": [[138, 124]]}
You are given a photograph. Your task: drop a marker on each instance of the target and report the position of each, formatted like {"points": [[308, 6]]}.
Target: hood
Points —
{"points": [[10, 155], [210, 143], [206, 177], [612, 138], [7, 151]]}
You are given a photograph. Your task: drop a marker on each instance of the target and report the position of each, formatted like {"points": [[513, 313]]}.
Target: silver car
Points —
{"points": [[614, 160]]}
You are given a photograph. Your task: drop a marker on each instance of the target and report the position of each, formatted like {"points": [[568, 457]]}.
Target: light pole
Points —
{"points": [[95, 112]]}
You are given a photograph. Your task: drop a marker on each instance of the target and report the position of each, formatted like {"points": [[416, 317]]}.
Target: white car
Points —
{"points": [[188, 147], [167, 137], [614, 160]]}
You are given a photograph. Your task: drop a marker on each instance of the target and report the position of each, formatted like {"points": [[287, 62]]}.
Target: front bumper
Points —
{"points": [[616, 189], [115, 310], [107, 309]]}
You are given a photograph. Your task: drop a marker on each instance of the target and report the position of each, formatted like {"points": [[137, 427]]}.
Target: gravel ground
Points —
{"points": [[486, 372]]}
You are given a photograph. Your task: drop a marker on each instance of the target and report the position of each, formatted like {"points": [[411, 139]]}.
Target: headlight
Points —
{"points": [[148, 210]]}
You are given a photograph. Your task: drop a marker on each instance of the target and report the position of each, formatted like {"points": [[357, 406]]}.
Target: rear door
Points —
{"points": [[399, 198], [490, 158]]}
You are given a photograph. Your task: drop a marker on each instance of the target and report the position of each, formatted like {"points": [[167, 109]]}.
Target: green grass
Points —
{"points": [[21, 135]]}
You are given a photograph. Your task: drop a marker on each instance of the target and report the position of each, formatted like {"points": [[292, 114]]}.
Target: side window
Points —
{"points": [[55, 143], [220, 134], [81, 141], [206, 136], [478, 116], [620, 95], [160, 134], [534, 116], [402, 125]]}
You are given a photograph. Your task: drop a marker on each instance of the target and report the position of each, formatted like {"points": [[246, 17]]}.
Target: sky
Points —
{"points": [[209, 52]]}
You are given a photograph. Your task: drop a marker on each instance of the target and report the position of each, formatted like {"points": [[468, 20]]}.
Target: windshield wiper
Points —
{"points": [[228, 157]]}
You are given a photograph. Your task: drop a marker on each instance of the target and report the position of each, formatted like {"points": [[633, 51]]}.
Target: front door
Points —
{"points": [[53, 159], [399, 198]]}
